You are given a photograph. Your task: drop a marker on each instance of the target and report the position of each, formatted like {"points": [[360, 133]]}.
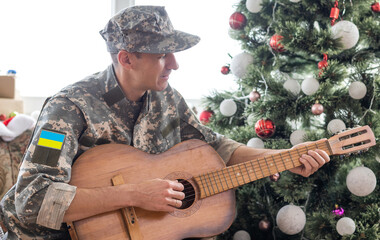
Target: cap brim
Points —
{"points": [[176, 42]]}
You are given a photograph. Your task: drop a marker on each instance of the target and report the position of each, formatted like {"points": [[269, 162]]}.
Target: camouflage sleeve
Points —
{"points": [[42, 188]]}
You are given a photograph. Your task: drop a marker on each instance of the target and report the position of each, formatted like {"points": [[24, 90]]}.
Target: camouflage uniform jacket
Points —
{"points": [[89, 113]]}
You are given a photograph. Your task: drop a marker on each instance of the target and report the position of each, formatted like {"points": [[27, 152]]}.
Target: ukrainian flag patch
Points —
{"points": [[51, 139]]}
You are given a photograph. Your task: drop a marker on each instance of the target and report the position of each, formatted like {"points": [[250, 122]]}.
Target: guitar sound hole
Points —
{"points": [[189, 194]]}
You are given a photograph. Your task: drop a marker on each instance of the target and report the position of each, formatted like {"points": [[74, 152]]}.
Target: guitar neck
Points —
{"points": [[237, 175]]}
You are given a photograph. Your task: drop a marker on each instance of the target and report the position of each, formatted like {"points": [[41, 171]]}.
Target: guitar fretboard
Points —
{"points": [[237, 175]]}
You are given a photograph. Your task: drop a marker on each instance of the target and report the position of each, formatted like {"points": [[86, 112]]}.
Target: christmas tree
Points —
{"points": [[308, 70]]}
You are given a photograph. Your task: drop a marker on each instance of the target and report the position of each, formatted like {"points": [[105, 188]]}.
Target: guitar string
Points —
{"points": [[240, 177]]}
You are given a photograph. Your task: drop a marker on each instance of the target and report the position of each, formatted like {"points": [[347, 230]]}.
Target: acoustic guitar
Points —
{"points": [[209, 206]]}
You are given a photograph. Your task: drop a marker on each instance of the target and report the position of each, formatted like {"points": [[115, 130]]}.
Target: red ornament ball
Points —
{"points": [[237, 21], [254, 96], [205, 116], [275, 177], [225, 70], [3, 117], [375, 7], [264, 225], [275, 43], [265, 128], [317, 109]]}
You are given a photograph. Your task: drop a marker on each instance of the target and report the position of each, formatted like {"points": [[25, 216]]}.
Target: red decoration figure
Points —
{"points": [[323, 64], [265, 128], [338, 211], [275, 43], [205, 116], [375, 7], [237, 21], [225, 70], [334, 14]]}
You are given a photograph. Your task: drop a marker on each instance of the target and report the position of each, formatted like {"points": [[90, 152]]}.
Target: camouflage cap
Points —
{"points": [[145, 29]]}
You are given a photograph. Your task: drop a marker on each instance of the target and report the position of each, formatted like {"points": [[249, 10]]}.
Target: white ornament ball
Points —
{"points": [[336, 126], [242, 235], [361, 181], [310, 86], [240, 63], [295, 1], [347, 32], [255, 143], [254, 6], [297, 137], [345, 226], [251, 119], [228, 107], [291, 219], [292, 86], [357, 90]]}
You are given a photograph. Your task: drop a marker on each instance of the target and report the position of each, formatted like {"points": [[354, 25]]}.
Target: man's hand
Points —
{"points": [[311, 161], [159, 195]]}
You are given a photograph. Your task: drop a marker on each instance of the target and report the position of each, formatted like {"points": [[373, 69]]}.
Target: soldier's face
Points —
{"points": [[153, 70]]}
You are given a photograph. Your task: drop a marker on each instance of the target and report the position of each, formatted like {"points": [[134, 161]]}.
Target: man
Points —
{"points": [[129, 103]]}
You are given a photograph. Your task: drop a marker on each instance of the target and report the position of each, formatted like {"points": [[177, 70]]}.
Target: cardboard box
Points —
{"points": [[8, 106], [7, 86]]}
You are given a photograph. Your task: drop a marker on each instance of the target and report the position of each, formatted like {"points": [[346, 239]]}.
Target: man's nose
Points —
{"points": [[171, 62]]}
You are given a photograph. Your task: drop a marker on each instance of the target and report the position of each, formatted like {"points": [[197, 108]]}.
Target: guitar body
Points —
{"points": [[203, 217]]}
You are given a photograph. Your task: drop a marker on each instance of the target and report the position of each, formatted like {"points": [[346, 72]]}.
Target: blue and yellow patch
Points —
{"points": [[51, 139]]}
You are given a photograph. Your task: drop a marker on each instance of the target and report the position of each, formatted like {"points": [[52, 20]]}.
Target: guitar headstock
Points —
{"points": [[352, 140]]}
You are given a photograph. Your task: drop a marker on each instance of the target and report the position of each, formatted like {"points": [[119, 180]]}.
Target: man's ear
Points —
{"points": [[124, 59]]}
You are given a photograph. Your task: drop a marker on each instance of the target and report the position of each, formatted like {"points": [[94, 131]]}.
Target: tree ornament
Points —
{"points": [[375, 7], [345, 226], [347, 32], [251, 119], [357, 90], [237, 21], [291, 219], [254, 96], [275, 177], [275, 43], [335, 126], [240, 63], [3, 117], [310, 86], [323, 64], [225, 70], [317, 109], [334, 14], [241, 235], [295, 1], [361, 181], [292, 86], [297, 137], [338, 211], [254, 6], [228, 107], [205, 116], [264, 225], [265, 128], [255, 143]]}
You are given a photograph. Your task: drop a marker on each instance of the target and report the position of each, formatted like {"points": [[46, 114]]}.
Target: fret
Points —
{"points": [[291, 159], [233, 167], [258, 161], [216, 183], [225, 179], [254, 170], [242, 175], [220, 180], [274, 162], [206, 186], [283, 161], [211, 182], [230, 177], [266, 162], [245, 165]]}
